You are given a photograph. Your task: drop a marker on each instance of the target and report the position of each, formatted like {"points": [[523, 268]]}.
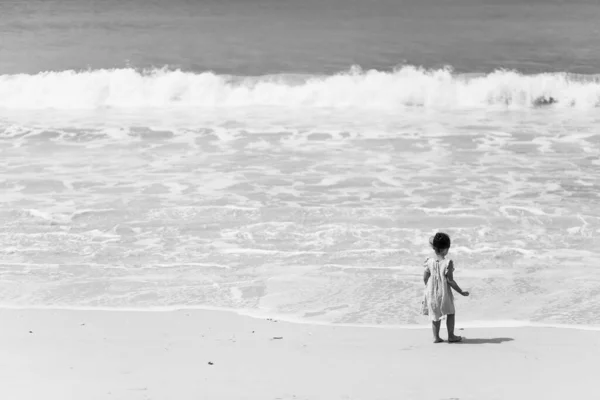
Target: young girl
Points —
{"points": [[439, 278]]}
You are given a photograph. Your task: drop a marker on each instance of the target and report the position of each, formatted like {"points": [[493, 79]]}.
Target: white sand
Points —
{"points": [[88, 355]]}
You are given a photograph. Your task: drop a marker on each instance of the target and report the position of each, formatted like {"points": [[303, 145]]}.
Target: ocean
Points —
{"points": [[290, 159]]}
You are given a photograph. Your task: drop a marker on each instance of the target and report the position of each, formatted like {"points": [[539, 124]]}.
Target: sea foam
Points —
{"points": [[407, 86]]}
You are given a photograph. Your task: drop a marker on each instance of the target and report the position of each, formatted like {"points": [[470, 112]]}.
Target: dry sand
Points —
{"points": [[85, 355]]}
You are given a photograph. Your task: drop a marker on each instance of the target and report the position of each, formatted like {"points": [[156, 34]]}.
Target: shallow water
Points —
{"points": [[281, 217]]}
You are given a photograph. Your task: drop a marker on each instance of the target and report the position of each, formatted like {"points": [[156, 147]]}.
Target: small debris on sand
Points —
{"points": [[277, 337], [210, 363]]}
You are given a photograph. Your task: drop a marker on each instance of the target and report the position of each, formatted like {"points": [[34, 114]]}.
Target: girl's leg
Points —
{"points": [[435, 326], [450, 321]]}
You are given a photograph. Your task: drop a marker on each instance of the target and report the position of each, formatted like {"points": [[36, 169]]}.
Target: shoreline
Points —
{"points": [[476, 324]]}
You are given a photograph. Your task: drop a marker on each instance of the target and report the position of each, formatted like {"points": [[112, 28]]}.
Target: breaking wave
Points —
{"points": [[408, 86]]}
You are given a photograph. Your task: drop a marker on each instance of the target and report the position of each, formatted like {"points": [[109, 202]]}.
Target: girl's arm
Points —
{"points": [[426, 276], [452, 282]]}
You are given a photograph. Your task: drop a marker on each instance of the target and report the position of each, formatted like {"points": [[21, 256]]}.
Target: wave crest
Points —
{"points": [[404, 87]]}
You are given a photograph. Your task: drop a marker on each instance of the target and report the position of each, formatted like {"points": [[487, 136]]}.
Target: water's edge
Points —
{"points": [[280, 318]]}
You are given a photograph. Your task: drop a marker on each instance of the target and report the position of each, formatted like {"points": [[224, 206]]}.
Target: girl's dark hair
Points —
{"points": [[440, 241]]}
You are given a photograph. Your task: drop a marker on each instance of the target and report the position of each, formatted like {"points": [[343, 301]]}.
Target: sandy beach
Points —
{"points": [[59, 354], [233, 200]]}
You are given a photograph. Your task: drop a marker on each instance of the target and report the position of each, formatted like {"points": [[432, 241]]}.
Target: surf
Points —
{"points": [[403, 87]]}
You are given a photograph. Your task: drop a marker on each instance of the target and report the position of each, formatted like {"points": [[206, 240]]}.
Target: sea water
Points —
{"points": [[291, 159]]}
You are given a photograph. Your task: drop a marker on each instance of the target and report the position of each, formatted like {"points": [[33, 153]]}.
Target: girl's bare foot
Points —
{"points": [[438, 340], [454, 339]]}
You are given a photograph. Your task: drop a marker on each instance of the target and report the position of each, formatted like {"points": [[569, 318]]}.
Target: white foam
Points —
{"points": [[234, 250], [531, 210], [263, 314], [407, 86]]}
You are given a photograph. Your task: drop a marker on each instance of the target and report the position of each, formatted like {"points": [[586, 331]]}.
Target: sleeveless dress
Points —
{"points": [[438, 293]]}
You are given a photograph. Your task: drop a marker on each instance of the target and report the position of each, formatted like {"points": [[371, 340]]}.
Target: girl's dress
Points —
{"points": [[438, 292]]}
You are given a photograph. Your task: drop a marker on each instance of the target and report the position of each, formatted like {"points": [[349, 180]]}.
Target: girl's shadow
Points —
{"points": [[485, 341]]}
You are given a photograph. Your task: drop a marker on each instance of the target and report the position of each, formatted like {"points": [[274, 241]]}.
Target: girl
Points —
{"points": [[439, 278]]}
